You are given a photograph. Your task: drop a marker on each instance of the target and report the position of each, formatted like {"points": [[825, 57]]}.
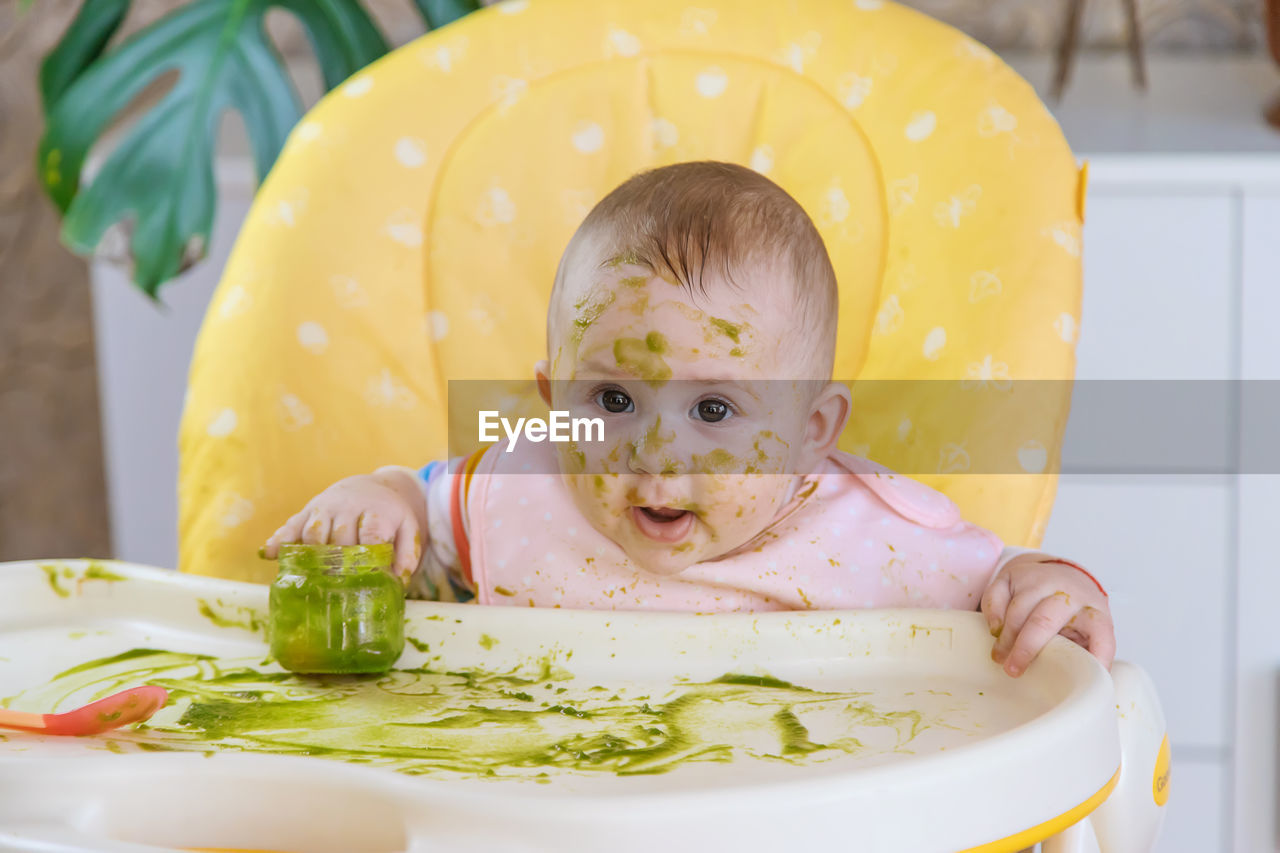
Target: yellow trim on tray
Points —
{"points": [[1051, 827], [1160, 782]]}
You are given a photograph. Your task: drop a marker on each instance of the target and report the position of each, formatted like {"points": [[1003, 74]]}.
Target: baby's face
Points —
{"points": [[703, 422]]}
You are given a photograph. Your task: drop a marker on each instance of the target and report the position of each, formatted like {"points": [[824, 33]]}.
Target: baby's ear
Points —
{"points": [[827, 418], [544, 380]]}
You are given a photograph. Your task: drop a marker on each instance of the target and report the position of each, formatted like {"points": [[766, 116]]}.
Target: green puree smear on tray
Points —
{"points": [[59, 575], [511, 724]]}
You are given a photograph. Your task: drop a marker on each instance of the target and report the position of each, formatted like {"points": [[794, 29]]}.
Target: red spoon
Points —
{"points": [[120, 709]]}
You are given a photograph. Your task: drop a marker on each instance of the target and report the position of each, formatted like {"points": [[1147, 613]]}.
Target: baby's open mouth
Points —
{"points": [[663, 513], [663, 523]]}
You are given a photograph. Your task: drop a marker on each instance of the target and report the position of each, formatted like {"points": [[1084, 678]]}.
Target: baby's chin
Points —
{"points": [[664, 549], [662, 562]]}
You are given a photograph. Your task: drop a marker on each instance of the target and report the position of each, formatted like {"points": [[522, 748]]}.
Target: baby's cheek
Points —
{"points": [[610, 461], [592, 457], [770, 453], [573, 461], [597, 496], [738, 506]]}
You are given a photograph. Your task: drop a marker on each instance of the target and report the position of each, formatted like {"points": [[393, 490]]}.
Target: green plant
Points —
{"points": [[158, 183]]}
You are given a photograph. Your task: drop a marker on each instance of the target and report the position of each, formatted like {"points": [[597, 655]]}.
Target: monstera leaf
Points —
{"points": [[158, 184], [437, 13]]}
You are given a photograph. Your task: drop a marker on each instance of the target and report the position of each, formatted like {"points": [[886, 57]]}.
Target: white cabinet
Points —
{"points": [[1182, 285], [1157, 543], [1256, 793], [1182, 281], [1160, 285], [1196, 820]]}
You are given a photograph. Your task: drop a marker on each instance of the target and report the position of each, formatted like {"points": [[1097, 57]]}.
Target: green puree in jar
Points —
{"points": [[336, 609]]}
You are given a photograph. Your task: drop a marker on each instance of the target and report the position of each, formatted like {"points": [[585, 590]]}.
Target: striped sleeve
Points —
{"points": [[444, 572]]}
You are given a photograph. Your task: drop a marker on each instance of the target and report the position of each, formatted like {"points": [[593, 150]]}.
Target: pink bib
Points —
{"points": [[863, 538]]}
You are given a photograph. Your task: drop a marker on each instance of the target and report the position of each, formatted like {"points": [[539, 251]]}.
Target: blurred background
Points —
{"points": [[1182, 262]]}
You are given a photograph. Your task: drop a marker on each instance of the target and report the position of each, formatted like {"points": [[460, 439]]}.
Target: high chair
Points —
{"points": [[409, 233]]}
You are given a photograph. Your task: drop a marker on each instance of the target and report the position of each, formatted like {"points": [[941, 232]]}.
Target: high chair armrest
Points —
{"points": [[1129, 821]]}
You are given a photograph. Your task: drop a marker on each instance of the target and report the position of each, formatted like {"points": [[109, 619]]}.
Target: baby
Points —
{"points": [[694, 315]]}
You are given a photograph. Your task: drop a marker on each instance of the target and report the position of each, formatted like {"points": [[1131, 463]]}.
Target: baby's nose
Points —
{"points": [[642, 460], [655, 451]]}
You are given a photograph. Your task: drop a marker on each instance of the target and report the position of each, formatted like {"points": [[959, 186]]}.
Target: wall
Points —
{"points": [[52, 494]]}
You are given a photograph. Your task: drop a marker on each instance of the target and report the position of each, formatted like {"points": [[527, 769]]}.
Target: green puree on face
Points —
{"points": [[336, 610], [644, 358]]}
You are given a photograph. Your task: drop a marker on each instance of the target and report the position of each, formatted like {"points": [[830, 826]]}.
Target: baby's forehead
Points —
{"points": [[760, 281], [620, 274], [640, 323], [632, 297]]}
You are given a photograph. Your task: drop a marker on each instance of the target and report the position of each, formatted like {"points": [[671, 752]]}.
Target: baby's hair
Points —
{"points": [[681, 220]]}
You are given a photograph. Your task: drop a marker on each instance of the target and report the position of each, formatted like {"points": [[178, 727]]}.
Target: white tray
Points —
{"points": [[950, 753]]}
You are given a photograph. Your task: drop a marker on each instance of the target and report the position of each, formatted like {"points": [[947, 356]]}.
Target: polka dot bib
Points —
{"points": [[855, 536]]}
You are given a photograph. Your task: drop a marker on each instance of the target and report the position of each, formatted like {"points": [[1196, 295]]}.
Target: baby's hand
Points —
{"points": [[367, 509], [1032, 599]]}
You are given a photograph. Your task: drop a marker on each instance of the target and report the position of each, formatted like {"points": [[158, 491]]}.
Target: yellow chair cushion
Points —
{"points": [[409, 235]]}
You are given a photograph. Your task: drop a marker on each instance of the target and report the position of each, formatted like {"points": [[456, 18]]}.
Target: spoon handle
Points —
{"points": [[21, 720]]}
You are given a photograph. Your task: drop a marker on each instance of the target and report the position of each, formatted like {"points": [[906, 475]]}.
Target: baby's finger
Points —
{"points": [[408, 549], [288, 533], [346, 529], [375, 529], [995, 601], [1015, 616], [1099, 634], [1044, 623], [316, 529]]}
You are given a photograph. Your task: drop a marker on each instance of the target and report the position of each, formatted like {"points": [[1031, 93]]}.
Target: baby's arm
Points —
{"points": [[1034, 597], [441, 575], [385, 506]]}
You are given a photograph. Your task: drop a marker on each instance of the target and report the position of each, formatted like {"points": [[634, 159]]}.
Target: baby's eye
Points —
{"points": [[711, 410], [615, 401]]}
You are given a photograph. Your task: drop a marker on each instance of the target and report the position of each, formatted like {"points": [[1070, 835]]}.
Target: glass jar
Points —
{"points": [[336, 609]]}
